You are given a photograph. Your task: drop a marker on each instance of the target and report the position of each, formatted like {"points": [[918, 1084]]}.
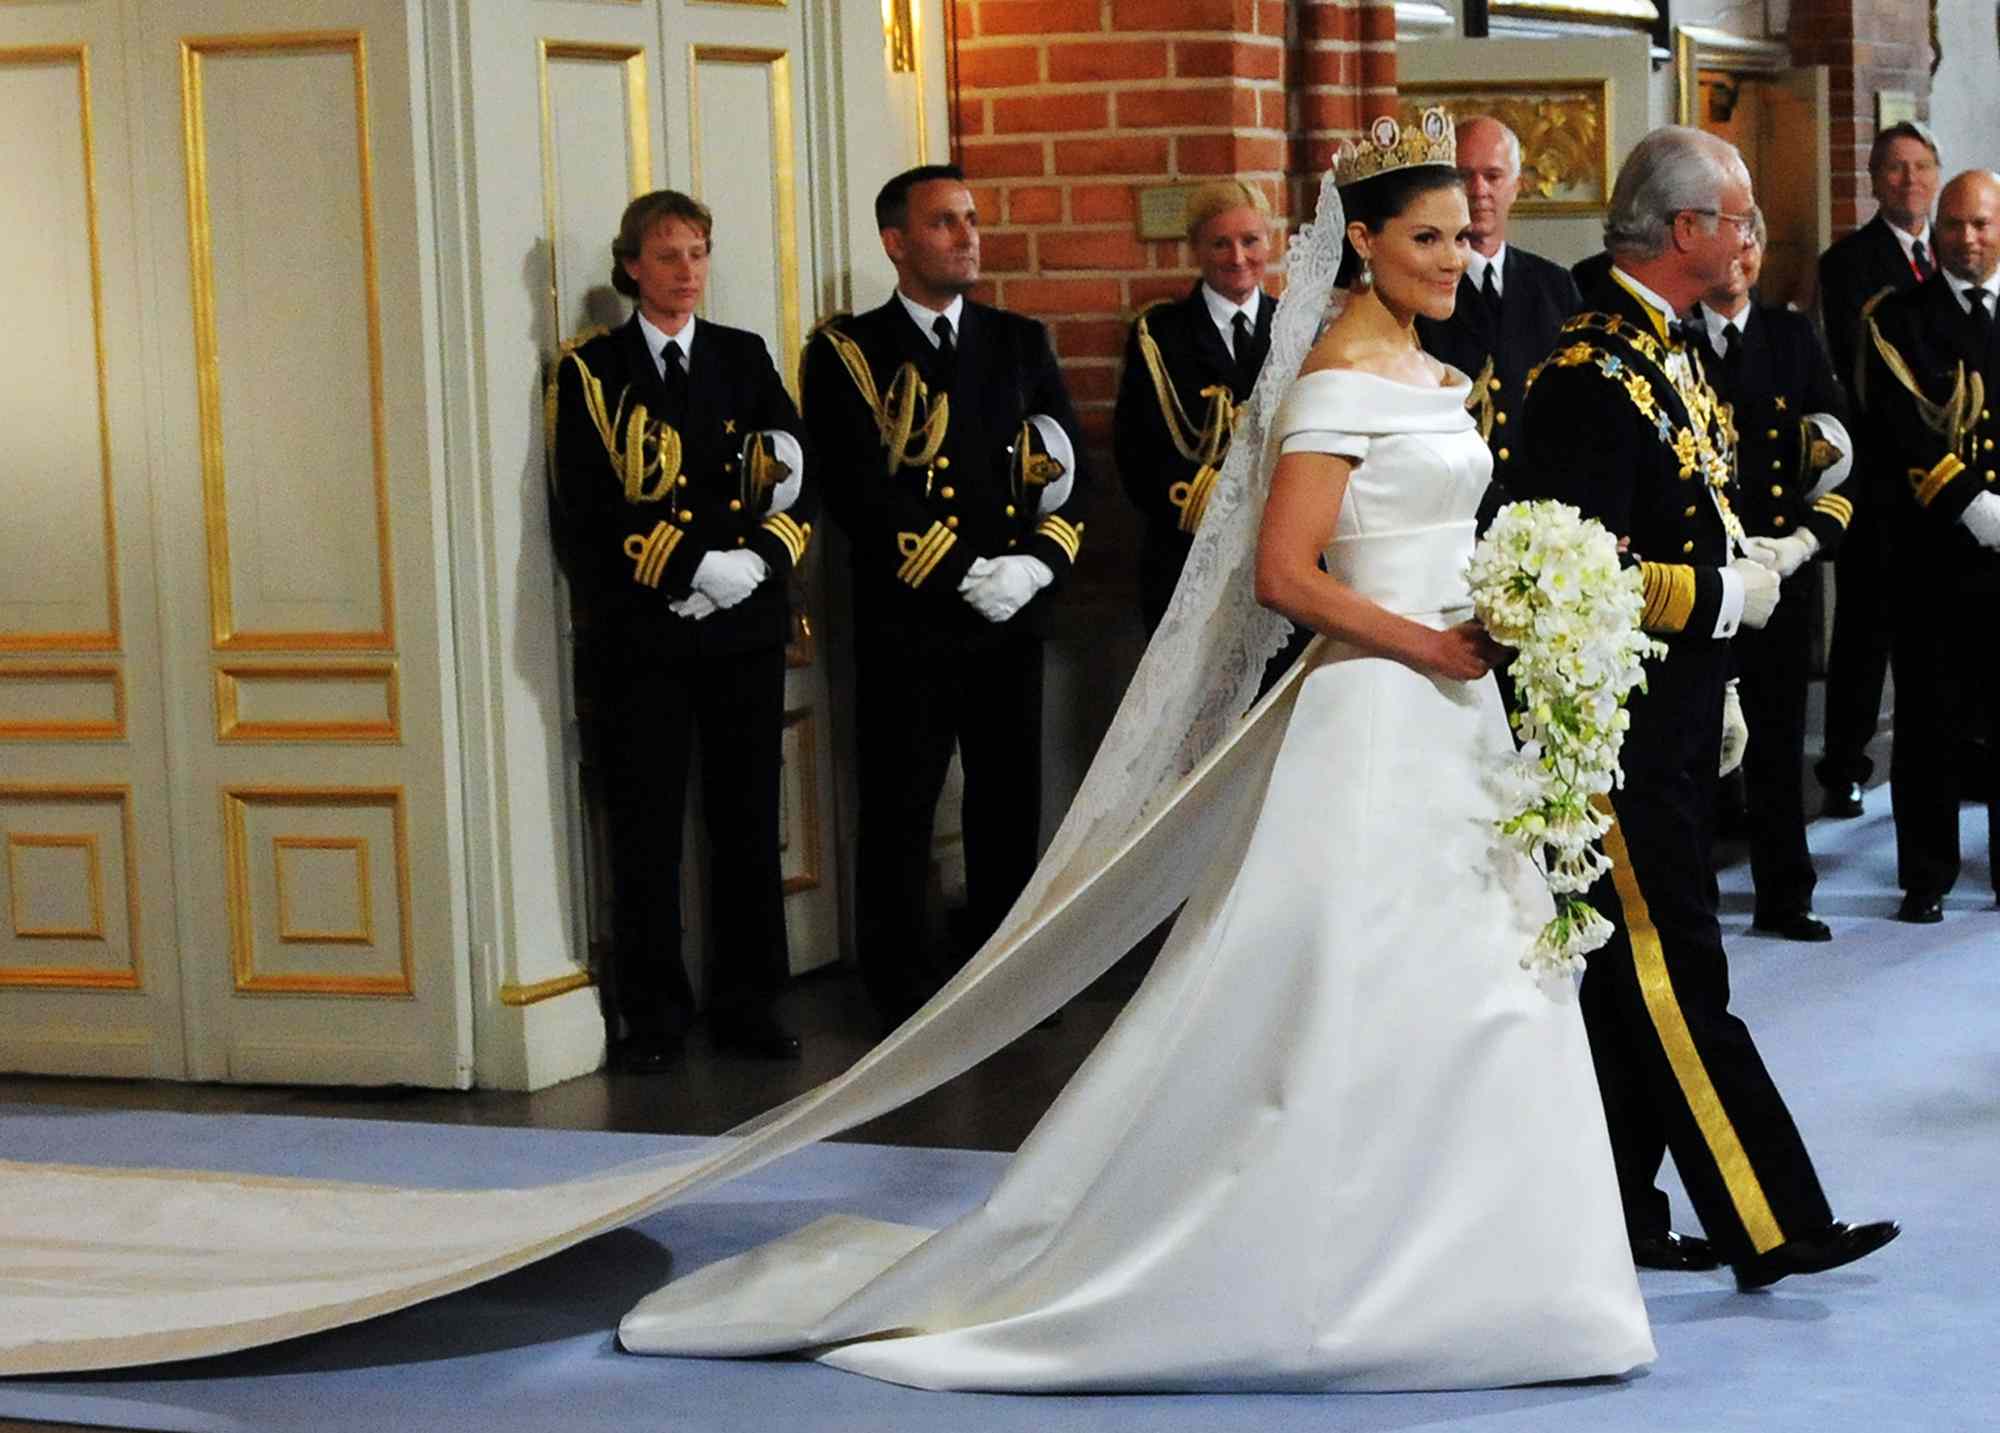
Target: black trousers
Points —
{"points": [[650, 712], [1676, 1069], [912, 708], [1772, 664], [1858, 658], [1946, 694]]}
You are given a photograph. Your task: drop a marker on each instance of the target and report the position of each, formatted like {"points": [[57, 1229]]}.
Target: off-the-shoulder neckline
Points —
{"points": [[1459, 379]]}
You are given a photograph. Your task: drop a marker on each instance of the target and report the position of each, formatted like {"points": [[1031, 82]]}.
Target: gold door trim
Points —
{"points": [[108, 640], [53, 977], [113, 730], [236, 801], [638, 135], [85, 841], [231, 727], [783, 171], [224, 633], [549, 989], [362, 934]]}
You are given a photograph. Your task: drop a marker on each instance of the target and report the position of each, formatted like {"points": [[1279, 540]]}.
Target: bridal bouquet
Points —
{"points": [[1548, 582]]}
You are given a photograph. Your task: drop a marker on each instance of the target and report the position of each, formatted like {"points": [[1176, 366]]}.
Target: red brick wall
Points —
{"points": [[1063, 109], [1867, 45]]}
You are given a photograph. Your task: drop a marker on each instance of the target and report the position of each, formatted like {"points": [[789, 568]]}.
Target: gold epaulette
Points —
{"points": [[896, 412], [819, 328], [1867, 322], [1952, 420], [1204, 448], [569, 345]]}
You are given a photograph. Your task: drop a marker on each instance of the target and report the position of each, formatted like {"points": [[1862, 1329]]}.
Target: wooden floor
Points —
{"points": [[992, 1106]]}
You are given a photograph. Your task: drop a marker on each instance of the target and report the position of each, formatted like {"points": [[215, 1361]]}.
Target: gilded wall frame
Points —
{"points": [[1565, 130]]}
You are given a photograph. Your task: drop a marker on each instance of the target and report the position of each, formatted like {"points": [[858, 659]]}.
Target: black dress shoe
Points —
{"points": [[1920, 909], [1687, 1253], [1843, 801], [755, 1035], [1831, 1247], [645, 1054], [1800, 925]]}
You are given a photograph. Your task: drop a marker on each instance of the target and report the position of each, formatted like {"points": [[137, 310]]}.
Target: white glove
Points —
{"points": [[726, 578], [1760, 590], [1007, 585], [1735, 730], [1982, 519], [694, 607], [1783, 555]]}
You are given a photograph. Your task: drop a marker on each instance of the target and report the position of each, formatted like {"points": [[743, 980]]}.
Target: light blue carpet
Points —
{"points": [[1886, 1042]]}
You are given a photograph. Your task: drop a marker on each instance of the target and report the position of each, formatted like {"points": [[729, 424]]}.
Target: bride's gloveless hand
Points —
{"points": [[1463, 653]]}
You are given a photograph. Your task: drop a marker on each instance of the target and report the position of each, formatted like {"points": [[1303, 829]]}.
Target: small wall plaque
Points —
{"points": [[1894, 107], [1163, 211]]}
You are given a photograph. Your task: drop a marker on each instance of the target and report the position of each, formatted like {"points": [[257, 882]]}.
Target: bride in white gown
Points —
{"points": [[1338, 1140]]}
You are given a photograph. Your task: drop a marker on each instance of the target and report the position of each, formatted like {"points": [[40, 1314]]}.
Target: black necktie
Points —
{"points": [[1243, 342], [1732, 342], [1982, 320], [1490, 291], [947, 350], [673, 371], [1919, 260]]}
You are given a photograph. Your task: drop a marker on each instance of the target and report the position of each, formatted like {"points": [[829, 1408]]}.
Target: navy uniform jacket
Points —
{"points": [[1922, 361], [953, 493], [1857, 268], [1535, 297], [1780, 375], [1621, 423], [1167, 486], [631, 544]]}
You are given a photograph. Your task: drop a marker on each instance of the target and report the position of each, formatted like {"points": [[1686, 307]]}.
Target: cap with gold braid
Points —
{"points": [[1388, 146]]}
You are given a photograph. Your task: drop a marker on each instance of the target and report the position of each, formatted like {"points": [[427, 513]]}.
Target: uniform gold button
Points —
{"points": [[739, 542], [1689, 513], [1688, 546], [1989, 475], [1079, 529], [943, 462], [685, 515], [1778, 521], [1988, 445], [736, 505], [1493, 385], [1504, 455], [730, 466], [1985, 412], [952, 521], [1013, 542], [683, 482], [1777, 490], [947, 492], [1501, 419], [1010, 509], [1770, 432], [1776, 465]]}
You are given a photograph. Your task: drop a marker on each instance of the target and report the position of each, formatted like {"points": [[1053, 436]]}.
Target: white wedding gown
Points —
{"points": [[1338, 1139]]}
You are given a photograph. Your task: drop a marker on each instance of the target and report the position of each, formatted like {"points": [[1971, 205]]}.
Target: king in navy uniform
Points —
{"points": [[950, 450], [681, 506], [1621, 423]]}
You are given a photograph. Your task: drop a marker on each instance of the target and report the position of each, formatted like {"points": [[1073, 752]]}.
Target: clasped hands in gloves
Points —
{"points": [[722, 580], [998, 587], [1760, 588]]}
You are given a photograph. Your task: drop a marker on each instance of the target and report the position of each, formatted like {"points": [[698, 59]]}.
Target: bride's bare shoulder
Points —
{"points": [[1340, 347]]}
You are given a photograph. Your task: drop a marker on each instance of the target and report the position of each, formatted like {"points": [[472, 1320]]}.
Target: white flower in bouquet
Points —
{"points": [[1549, 583]]}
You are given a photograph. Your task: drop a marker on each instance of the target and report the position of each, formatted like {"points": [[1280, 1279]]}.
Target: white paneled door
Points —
{"points": [[223, 619]]}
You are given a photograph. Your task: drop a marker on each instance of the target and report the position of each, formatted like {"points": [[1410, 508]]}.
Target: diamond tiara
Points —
{"points": [[1432, 140]]}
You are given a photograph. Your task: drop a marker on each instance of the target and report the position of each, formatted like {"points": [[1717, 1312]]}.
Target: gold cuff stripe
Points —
{"points": [[1929, 485], [1836, 507], [1718, 1132], [650, 553], [929, 551], [792, 534], [1065, 535], [1669, 588]]}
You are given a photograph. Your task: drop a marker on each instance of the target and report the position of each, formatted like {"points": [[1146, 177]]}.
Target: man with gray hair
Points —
{"points": [[1621, 422], [1510, 302]]}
